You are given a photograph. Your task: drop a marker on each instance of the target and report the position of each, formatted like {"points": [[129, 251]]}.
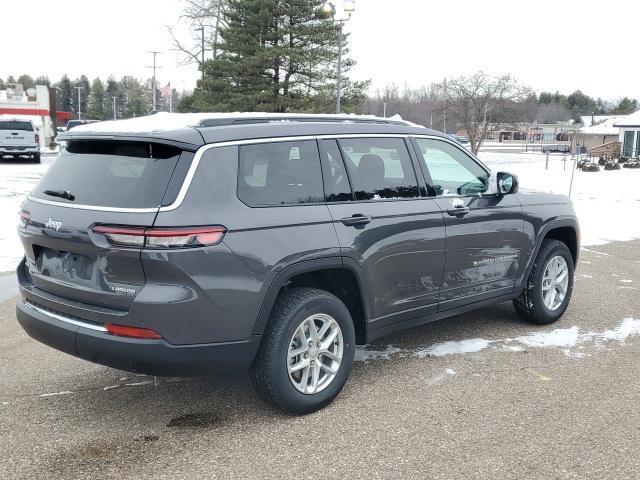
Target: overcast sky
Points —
{"points": [[549, 45]]}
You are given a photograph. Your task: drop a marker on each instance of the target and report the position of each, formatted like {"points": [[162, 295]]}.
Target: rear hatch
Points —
{"points": [[17, 133], [97, 184]]}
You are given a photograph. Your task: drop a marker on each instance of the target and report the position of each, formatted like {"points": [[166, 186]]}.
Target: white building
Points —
{"points": [[600, 133], [629, 134]]}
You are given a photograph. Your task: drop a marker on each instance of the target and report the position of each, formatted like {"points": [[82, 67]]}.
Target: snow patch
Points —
{"points": [[561, 337], [453, 348], [564, 339]]}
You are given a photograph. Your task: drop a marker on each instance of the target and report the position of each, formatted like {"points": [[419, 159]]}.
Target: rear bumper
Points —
{"points": [[152, 357], [19, 150]]}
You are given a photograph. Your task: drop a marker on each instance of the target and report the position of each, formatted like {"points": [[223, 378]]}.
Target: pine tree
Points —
{"points": [[276, 55], [42, 80], [26, 81], [136, 99], [84, 93], [65, 94], [112, 90], [96, 103]]}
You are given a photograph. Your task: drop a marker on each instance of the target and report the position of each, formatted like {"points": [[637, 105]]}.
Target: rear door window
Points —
{"points": [[379, 168], [110, 174], [280, 173], [16, 125]]}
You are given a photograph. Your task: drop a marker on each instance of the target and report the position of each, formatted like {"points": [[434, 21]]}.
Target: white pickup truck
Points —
{"points": [[19, 139]]}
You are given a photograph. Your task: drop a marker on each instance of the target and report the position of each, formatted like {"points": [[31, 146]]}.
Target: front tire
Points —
{"points": [[307, 351], [548, 290]]}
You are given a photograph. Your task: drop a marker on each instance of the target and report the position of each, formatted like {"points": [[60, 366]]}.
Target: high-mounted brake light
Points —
{"points": [[132, 332], [162, 237]]}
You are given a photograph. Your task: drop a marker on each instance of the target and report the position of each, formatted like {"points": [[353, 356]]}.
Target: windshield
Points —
{"points": [[16, 125], [109, 174]]}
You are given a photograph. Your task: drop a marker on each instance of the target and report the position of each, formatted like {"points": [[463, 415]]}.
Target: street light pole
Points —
{"points": [[202, 46], [339, 81], [79, 104], [115, 112], [329, 8]]}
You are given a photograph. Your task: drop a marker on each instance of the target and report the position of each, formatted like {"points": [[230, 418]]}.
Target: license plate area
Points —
{"points": [[65, 266]]}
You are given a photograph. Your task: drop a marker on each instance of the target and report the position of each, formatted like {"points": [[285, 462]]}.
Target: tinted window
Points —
{"points": [[336, 181], [110, 174], [16, 125], [280, 173], [452, 171], [379, 168]]}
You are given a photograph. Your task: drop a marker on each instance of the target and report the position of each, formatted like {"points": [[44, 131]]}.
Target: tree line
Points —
{"points": [[133, 98]]}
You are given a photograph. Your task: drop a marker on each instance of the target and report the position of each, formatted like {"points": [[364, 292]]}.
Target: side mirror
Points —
{"points": [[506, 183]]}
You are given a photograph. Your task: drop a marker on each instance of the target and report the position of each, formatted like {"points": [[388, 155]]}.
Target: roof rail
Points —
{"points": [[218, 122]]}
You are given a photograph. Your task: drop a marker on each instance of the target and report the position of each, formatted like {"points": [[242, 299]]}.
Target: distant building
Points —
{"points": [[629, 134], [590, 136], [35, 104]]}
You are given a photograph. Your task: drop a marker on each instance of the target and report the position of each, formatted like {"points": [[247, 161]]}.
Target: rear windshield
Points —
{"points": [[110, 174], [16, 125]]}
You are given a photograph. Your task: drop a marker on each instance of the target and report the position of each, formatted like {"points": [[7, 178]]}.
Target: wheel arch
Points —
{"points": [[565, 230], [341, 276]]}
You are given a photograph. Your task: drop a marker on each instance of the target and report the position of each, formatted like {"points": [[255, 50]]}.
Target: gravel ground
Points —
{"points": [[507, 411]]}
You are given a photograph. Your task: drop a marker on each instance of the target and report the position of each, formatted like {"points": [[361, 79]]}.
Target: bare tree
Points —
{"points": [[207, 14], [480, 102]]}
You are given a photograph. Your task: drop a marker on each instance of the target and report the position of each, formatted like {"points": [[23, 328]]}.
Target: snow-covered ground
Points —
{"points": [[607, 202]]}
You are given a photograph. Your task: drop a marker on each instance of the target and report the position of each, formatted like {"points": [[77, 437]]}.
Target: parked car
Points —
{"points": [[19, 139], [216, 244], [74, 123]]}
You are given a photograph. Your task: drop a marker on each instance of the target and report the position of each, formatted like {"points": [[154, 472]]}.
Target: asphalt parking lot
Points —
{"points": [[513, 408]]}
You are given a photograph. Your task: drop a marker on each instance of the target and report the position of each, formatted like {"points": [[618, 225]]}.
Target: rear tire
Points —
{"points": [[35, 158], [297, 318], [544, 298]]}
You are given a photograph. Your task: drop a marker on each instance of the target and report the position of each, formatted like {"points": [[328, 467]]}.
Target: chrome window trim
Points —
{"points": [[204, 148], [64, 319]]}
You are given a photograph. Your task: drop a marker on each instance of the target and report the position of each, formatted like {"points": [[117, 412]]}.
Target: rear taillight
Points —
{"points": [[162, 237], [24, 219], [131, 332], [37, 138]]}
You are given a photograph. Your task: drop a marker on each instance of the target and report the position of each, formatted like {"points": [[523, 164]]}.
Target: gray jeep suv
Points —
{"points": [[196, 244]]}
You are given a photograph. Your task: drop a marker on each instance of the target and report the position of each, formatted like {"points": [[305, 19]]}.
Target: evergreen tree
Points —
{"points": [[43, 80], [136, 99], [2, 84], [626, 106], [276, 55], [112, 90], [65, 94], [96, 103], [11, 79], [84, 93], [26, 81]]}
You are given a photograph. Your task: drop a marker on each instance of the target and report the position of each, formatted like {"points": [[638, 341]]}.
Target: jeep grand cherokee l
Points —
{"points": [[195, 244]]}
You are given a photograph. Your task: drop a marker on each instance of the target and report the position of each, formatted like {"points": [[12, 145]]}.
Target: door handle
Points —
{"points": [[357, 219], [458, 211]]}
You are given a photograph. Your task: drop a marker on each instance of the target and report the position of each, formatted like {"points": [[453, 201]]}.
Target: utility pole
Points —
{"points": [[79, 104], [115, 111], [153, 80]]}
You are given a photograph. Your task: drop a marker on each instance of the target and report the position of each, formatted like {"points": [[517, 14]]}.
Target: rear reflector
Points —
{"points": [[162, 237], [132, 332]]}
